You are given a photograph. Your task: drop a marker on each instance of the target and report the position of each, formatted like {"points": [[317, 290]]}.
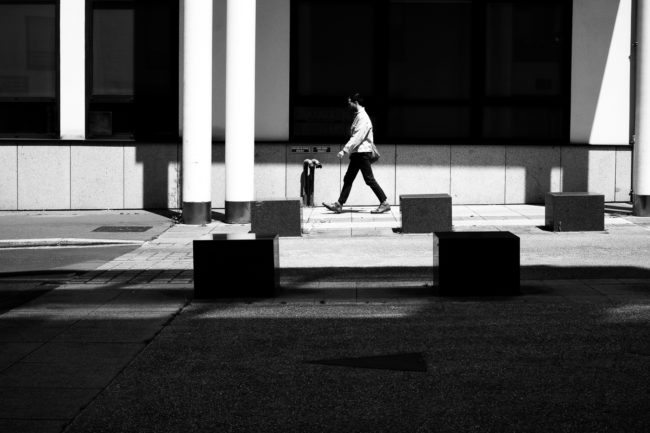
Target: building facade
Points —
{"points": [[490, 101]]}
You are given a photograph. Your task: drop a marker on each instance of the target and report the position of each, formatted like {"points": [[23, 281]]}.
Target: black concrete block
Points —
{"points": [[574, 211], [476, 263], [236, 266], [425, 213], [281, 216]]}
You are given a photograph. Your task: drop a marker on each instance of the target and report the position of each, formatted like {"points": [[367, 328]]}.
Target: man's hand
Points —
{"points": [[341, 154]]}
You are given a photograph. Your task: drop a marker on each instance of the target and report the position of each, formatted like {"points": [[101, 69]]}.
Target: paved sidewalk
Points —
{"points": [[124, 347], [356, 239], [81, 227]]}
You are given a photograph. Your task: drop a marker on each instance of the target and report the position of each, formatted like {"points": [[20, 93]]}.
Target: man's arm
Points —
{"points": [[358, 135]]}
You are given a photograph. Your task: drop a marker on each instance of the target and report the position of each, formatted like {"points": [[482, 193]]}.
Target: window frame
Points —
{"points": [[380, 102], [91, 5], [55, 101], [138, 133]]}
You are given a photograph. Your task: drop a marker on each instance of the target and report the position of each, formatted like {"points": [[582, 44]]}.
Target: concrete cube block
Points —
{"points": [[476, 263], [574, 211], [280, 216], [222, 266], [425, 213]]}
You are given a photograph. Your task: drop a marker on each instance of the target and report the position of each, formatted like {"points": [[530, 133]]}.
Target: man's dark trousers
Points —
{"points": [[360, 161]]}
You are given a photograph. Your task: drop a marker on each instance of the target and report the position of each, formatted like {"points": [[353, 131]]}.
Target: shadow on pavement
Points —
{"points": [[529, 363], [174, 215], [16, 288], [218, 216], [489, 367]]}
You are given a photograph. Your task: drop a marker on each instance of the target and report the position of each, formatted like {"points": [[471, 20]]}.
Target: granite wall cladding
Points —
{"points": [[109, 175]]}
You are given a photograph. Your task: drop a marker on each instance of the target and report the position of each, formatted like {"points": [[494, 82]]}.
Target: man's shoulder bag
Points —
{"points": [[374, 157]]}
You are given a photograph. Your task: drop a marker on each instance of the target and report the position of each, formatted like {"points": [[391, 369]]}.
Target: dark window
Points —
{"points": [[429, 64], [438, 71], [133, 69], [28, 69], [524, 70]]}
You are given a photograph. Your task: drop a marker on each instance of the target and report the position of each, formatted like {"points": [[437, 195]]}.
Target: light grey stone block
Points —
{"points": [[574, 211], [218, 176], [589, 169], [97, 177], [151, 176], [478, 174], [270, 170], [425, 213], [531, 171], [422, 169], [278, 216], [44, 177], [623, 174], [8, 177]]}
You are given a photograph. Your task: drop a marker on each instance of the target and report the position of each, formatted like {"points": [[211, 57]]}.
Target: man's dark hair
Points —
{"points": [[356, 97]]}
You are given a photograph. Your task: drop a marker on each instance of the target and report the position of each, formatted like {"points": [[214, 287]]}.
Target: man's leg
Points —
{"points": [[348, 179], [368, 176]]}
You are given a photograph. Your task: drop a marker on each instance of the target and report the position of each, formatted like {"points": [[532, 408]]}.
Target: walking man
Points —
{"points": [[359, 148]]}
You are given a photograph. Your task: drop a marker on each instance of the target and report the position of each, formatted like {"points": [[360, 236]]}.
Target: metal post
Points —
{"points": [[641, 155]]}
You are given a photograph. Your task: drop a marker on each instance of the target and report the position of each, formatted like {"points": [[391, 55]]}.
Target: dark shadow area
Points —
{"points": [[156, 160], [17, 288], [367, 274], [218, 216], [10, 299], [397, 362], [172, 214], [478, 366], [346, 210], [618, 209], [424, 273], [156, 101], [60, 275], [479, 362], [122, 229], [550, 230], [421, 276]]}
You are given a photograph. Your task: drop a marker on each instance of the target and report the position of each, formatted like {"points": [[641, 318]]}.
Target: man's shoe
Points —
{"points": [[384, 207], [334, 207]]}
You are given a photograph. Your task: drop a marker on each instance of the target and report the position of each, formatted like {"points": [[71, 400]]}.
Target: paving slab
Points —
{"points": [[72, 353], [53, 375], [20, 329], [488, 363], [44, 403], [10, 352], [116, 329], [31, 426]]}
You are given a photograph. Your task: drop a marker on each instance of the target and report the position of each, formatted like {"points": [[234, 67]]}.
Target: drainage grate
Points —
{"points": [[122, 228], [398, 361]]}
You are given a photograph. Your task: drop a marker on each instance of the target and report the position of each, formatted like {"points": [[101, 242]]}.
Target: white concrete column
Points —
{"points": [[72, 72], [197, 111], [240, 110], [641, 156]]}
